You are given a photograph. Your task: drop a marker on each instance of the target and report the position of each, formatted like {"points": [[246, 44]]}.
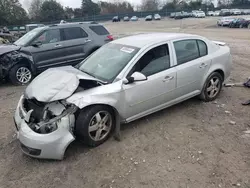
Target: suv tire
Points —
{"points": [[94, 125], [20, 74]]}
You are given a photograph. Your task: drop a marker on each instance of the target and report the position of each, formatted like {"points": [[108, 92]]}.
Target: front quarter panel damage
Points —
{"points": [[8, 60], [110, 94]]}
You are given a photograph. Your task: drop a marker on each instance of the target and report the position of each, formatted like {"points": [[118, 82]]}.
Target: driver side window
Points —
{"points": [[154, 61], [49, 36]]}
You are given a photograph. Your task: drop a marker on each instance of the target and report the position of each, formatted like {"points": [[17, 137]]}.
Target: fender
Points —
{"points": [[8, 60]]}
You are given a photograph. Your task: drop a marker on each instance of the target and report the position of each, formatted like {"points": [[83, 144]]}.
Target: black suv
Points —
{"points": [[50, 46]]}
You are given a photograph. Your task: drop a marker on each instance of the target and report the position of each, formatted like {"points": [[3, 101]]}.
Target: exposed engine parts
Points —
{"points": [[45, 118]]}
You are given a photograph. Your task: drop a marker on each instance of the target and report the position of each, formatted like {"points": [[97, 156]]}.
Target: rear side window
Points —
{"points": [[99, 30], [74, 33], [202, 48], [186, 50]]}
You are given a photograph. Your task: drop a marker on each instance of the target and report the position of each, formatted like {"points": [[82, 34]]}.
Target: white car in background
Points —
{"points": [[157, 17], [210, 13], [200, 14], [217, 13], [225, 21], [235, 12]]}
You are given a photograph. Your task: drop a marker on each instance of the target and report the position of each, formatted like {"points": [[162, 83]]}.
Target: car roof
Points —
{"points": [[143, 40], [73, 24]]}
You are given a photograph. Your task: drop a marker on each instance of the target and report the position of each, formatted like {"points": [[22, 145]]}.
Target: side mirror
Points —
{"points": [[37, 44], [135, 77]]}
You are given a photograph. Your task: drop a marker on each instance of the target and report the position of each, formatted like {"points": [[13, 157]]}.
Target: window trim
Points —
{"points": [[199, 47], [196, 39], [64, 36]]}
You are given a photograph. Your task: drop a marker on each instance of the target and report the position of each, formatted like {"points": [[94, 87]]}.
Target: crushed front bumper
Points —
{"points": [[46, 146]]}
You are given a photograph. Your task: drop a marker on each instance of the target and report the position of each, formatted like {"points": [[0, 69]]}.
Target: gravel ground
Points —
{"points": [[192, 144]]}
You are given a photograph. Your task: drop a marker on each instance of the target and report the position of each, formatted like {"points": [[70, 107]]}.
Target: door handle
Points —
{"points": [[58, 45], [168, 78], [203, 65], [87, 40]]}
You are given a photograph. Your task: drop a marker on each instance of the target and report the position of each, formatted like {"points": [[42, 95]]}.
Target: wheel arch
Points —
{"points": [[25, 61], [115, 111], [215, 69]]}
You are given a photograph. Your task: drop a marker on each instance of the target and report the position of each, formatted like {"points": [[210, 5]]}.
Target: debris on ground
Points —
{"points": [[232, 122]]}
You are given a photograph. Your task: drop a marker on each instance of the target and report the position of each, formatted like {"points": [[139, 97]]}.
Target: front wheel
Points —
{"points": [[20, 74], [212, 87], [95, 124]]}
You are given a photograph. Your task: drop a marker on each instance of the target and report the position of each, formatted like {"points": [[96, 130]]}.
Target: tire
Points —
{"points": [[19, 69], [241, 26], [207, 95], [100, 132]]}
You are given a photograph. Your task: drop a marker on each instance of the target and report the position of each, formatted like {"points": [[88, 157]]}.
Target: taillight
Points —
{"points": [[110, 37]]}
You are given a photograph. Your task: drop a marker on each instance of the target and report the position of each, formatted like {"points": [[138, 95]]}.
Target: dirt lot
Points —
{"points": [[192, 144]]}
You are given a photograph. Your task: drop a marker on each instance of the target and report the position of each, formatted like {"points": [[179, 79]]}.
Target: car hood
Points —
{"points": [[56, 84], [8, 48]]}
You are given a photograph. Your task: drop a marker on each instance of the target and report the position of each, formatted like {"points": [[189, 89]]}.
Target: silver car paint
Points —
{"points": [[52, 145], [161, 90]]}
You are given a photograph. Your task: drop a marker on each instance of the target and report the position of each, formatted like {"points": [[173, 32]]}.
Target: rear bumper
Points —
{"points": [[46, 146]]}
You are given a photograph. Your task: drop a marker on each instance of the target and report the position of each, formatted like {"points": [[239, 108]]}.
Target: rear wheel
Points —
{"points": [[95, 124], [212, 87], [20, 74]]}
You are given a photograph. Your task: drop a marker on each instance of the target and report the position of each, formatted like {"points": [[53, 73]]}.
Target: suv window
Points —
{"points": [[49, 36], [154, 61], [74, 33], [202, 48], [99, 30], [186, 50]]}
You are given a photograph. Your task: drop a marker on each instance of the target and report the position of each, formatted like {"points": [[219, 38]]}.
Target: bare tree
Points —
{"points": [[150, 5], [35, 9]]}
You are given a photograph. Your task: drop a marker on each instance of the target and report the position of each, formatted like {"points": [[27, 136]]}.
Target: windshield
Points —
{"points": [[107, 62], [24, 40]]}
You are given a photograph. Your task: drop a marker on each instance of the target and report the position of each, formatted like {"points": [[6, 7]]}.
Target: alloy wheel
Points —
{"points": [[100, 125], [213, 87], [23, 75]]}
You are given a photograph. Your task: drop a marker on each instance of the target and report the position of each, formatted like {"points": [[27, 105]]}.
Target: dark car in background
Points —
{"points": [[116, 19], [240, 23], [50, 46]]}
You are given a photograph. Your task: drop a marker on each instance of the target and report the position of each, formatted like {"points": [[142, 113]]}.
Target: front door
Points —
{"points": [[51, 52], [143, 97]]}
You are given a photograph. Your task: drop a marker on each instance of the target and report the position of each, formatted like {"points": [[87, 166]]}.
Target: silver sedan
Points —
{"points": [[122, 81]]}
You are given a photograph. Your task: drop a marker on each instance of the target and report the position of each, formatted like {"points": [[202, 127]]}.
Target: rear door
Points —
{"points": [[192, 63], [76, 43], [50, 53]]}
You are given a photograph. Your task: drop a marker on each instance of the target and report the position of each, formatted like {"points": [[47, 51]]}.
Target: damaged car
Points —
{"points": [[122, 81], [50, 46]]}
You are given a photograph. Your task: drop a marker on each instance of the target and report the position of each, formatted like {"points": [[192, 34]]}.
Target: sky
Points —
{"points": [[77, 3], [70, 3]]}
